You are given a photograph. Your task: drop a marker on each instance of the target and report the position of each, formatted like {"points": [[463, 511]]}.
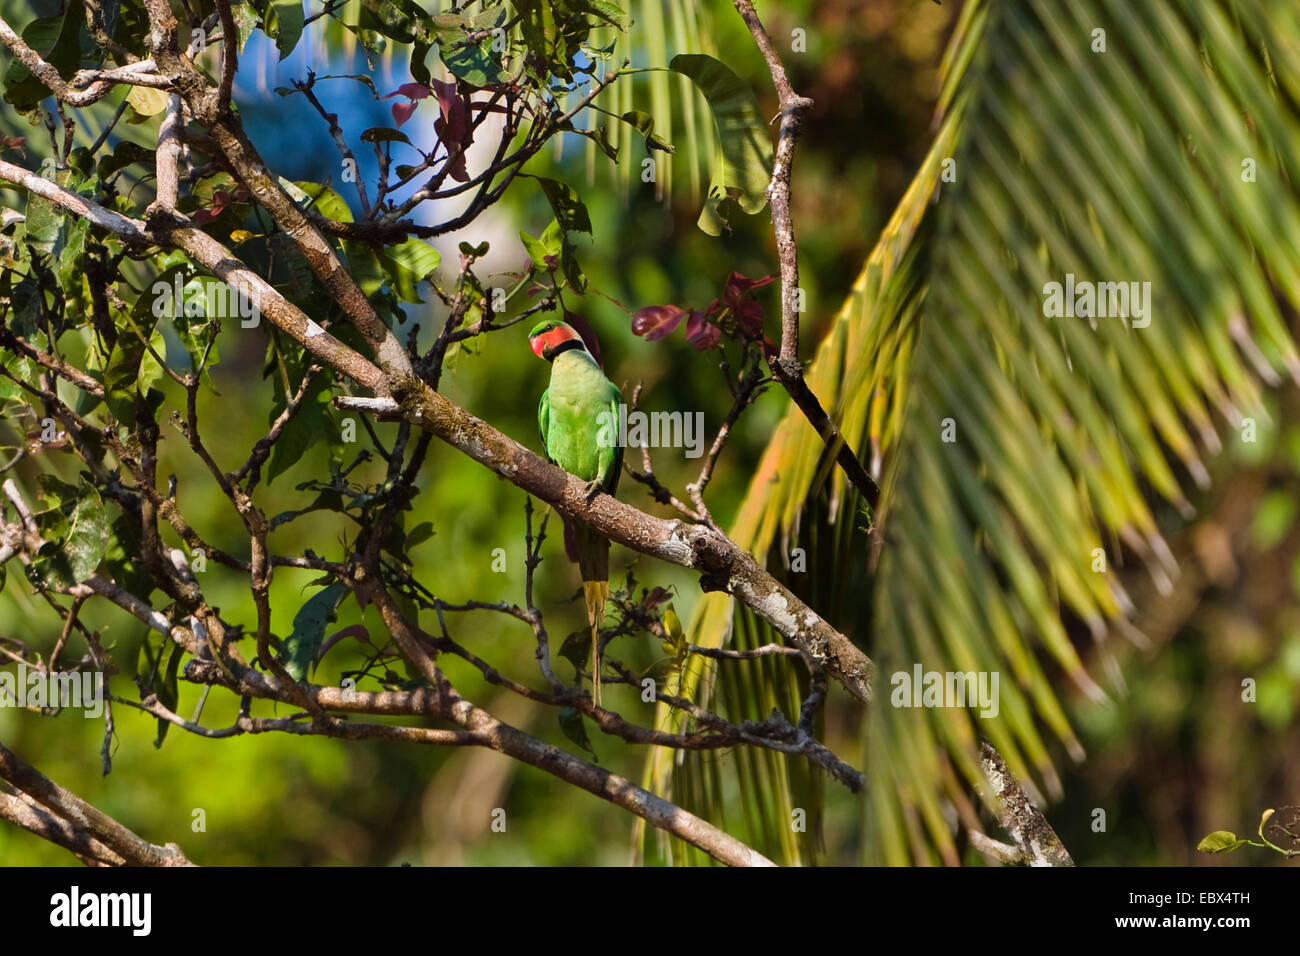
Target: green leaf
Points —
{"points": [[383, 134], [150, 371], [298, 650], [573, 727], [544, 40], [450, 27], [570, 211], [58, 40], [70, 258], [146, 100], [169, 694], [245, 21], [87, 538], [741, 174], [611, 13], [124, 154], [420, 51], [569, 266], [1220, 841], [41, 35], [545, 250], [44, 221], [420, 533], [644, 124], [599, 136], [76, 544], [402, 20], [309, 425], [284, 22], [475, 63], [328, 500], [364, 266], [326, 201], [120, 377], [408, 264], [20, 368], [576, 649]]}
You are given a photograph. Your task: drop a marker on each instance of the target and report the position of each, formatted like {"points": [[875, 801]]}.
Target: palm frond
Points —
{"points": [[1115, 166]]}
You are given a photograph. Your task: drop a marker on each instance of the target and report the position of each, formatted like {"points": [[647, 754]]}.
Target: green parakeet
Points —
{"points": [[578, 417]]}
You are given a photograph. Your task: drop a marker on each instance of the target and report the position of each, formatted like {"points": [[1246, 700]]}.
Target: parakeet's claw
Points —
{"points": [[590, 490]]}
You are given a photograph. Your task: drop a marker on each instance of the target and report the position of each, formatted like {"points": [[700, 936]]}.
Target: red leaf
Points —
{"points": [[445, 91], [402, 112], [570, 540], [656, 321], [458, 171], [453, 127], [737, 285], [749, 317], [412, 91], [656, 597], [220, 199], [701, 333], [583, 328]]}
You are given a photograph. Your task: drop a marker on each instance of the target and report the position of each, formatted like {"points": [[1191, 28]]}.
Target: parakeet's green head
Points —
{"points": [[552, 337]]}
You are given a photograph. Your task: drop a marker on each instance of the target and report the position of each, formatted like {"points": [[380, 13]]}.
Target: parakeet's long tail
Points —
{"points": [[593, 562]]}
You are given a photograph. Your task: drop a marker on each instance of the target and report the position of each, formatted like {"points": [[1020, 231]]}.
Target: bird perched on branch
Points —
{"points": [[578, 418]]}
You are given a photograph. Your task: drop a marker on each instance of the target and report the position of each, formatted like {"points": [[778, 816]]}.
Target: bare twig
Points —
{"points": [[786, 367]]}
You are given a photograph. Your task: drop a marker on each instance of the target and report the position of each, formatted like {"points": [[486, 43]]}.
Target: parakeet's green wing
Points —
{"points": [[544, 420], [612, 469]]}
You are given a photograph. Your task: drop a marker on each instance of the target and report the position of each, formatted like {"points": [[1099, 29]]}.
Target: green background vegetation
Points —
{"points": [[1171, 760]]}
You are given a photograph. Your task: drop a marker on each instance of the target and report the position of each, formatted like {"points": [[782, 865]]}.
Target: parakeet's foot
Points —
{"points": [[590, 490]]}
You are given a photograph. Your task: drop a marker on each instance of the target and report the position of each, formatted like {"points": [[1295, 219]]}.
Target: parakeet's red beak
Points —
{"points": [[537, 344]]}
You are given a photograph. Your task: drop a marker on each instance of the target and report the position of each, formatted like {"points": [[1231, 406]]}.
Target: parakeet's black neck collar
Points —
{"points": [[564, 347]]}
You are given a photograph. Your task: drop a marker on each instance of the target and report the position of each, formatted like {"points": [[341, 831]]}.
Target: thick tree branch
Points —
{"points": [[229, 54], [167, 158], [100, 82], [36, 819], [131, 231], [722, 565], [132, 848], [1037, 842], [217, 259]]}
